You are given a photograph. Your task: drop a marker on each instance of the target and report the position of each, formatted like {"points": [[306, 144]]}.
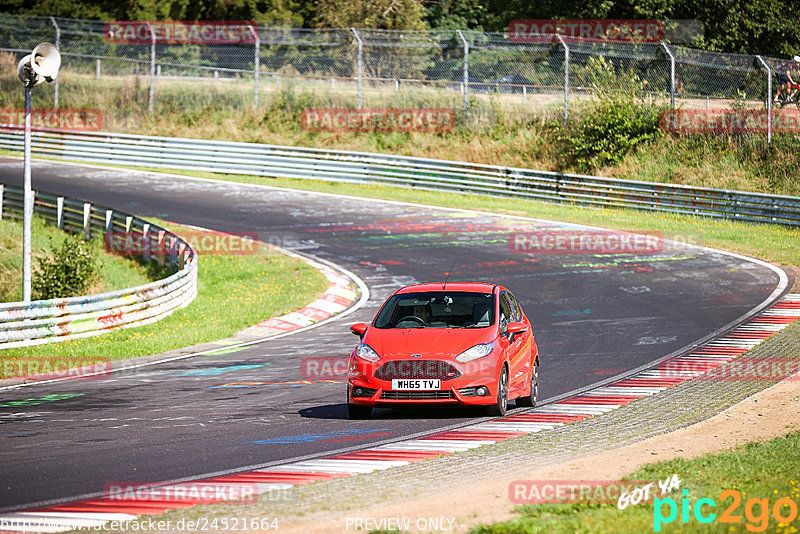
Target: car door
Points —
{"points": [[525, 354], [517, 371]]}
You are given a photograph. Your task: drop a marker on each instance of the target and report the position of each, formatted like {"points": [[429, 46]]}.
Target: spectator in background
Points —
{"points": [[783, 73]]}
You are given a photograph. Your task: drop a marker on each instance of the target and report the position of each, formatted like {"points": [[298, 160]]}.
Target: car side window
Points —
{"points": [[515, 308], [506, 313]]}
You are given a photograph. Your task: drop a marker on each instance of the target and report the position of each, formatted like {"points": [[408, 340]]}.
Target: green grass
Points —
{"points": [[234, 292], [760, 470], [115, 272]]}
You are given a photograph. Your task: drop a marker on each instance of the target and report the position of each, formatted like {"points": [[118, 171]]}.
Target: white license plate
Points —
{"points": [[415, 384]]}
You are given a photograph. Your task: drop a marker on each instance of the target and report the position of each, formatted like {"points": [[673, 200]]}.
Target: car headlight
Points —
{"points": [[365, 352], [473, 353]]}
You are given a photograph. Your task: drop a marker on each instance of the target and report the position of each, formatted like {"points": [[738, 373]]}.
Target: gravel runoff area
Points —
{"points": [[307, 508]]}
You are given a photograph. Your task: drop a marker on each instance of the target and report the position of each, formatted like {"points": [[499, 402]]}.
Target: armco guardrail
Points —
{"points": [[45, 321], [403, 171]]}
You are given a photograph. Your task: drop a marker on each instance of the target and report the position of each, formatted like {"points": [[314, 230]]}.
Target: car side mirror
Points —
{"points": [[514, 329], [359, 329]]}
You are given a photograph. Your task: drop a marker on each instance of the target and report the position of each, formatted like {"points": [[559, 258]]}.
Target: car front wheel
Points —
{"points": [[500, 407], [357, 411], [534, 396]]}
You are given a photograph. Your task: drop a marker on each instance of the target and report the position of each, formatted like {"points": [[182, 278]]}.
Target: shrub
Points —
{"points": [[68, 273], [616, 121]]}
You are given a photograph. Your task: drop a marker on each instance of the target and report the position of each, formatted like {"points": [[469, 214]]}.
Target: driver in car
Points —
{"points": [[422, 312]]}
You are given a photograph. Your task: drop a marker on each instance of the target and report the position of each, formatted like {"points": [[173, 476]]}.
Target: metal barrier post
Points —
{"points": [[152, 95], [60, 212], [256, 66], [58, 46], [671, 75], [87, 221], [146, 241], [1, 201], [360, 63], [566, 78], [769, 98], [466, 72]]}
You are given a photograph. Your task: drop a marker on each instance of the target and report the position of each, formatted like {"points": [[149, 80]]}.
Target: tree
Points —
{"points": [[455, 14], [374, 14]]}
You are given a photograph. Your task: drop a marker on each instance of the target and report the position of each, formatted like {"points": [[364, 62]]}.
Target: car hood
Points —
{"points": [[404, 342]]}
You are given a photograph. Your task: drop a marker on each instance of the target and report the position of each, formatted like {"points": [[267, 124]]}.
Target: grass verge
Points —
{"points": [[234, 292], [761, 474], [115, 272]]}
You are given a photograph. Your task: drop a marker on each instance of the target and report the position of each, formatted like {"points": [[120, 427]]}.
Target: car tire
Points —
{"points": [[501, 406], [358, 411], [534, 395]]}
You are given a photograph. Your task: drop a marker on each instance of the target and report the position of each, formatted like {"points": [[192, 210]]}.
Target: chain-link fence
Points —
{"points": [[352, 68]]}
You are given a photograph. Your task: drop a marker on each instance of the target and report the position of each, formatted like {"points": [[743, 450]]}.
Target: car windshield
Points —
{"points": [[437, 309]]}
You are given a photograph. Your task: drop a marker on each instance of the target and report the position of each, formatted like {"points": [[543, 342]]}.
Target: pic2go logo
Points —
{"points": [[756, 511]]}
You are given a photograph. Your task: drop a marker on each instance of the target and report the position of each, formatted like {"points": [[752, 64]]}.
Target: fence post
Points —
{"points": [[152, 69], [60, 213], [769, 98], [87, 221], [360, 63], [173, 245], [160, 250], [466, 72], [256, 66], [109, 220], [1, 202], [97, 70], [671, 75], [146, 242], [58, 46], [566, 78]]}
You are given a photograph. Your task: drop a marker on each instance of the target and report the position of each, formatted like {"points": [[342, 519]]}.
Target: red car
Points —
{"points": [[452, 344]]}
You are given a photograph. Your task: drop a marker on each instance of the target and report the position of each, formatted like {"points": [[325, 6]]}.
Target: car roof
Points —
{"points": [[477, 287]]}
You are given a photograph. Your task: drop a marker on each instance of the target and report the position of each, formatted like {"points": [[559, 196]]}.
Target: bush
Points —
{"points": [[615, 123], [68, 273]]}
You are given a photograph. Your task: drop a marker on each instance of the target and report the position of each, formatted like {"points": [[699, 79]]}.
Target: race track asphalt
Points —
{"points": [[594, 317]]}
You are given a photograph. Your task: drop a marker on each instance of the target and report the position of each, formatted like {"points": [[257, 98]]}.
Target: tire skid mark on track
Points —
{"points": [[700, 361]]}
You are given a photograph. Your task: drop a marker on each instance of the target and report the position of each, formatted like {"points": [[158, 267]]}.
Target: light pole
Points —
{"points": [[39, 66]]}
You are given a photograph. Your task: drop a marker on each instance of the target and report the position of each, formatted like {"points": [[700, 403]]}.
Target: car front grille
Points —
{"points": [[411, 369], [416, 395]]}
